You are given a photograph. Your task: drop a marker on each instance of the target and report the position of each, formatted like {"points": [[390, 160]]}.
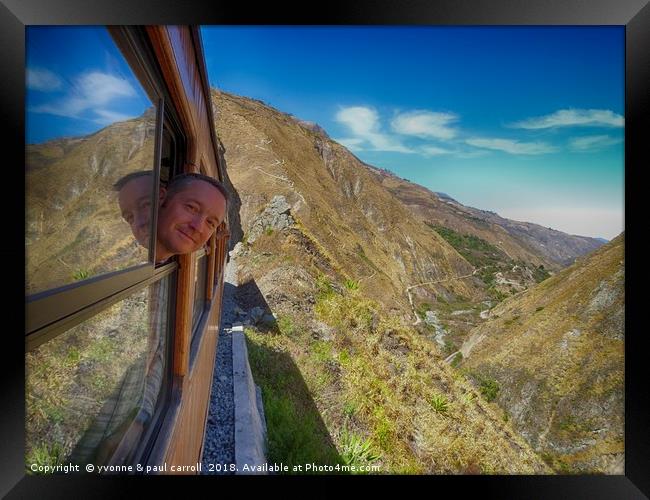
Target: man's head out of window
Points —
{"points": [[191, 209]]}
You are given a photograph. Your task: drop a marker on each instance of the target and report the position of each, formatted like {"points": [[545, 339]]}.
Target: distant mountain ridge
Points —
{"points": [[523, 240]]}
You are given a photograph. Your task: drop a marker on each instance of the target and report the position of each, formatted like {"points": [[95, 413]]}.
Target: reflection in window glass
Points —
{"points": [[200, 277], [89, 123], [96, 386]]}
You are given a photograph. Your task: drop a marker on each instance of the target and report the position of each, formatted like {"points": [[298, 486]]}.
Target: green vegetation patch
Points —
{"points": [[356, 450], [422, 309], [489, 388], [487, 385], [351, 285], [475, 250], [439, 403], [296, 432], [80, 274], [540, 273], [457, 359], [286, 325]]}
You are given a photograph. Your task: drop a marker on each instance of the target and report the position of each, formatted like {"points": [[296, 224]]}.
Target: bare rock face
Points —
{"points": [[276, 216]]}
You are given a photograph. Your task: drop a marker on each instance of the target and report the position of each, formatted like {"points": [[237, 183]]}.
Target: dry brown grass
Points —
{"points": [[377, 379]]}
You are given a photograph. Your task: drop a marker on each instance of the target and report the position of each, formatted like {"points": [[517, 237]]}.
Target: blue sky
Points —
{"points": [[524, 121], [77, 82]]}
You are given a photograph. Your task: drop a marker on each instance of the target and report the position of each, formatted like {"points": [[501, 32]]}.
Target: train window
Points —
{"points": [[89, 125], [168, 157], [92, 391], [200, 283]]}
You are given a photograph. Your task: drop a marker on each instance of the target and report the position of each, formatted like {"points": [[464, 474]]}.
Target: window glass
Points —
{"points": [[200, 277], [89, 123], [168, 156], [92, 391]]}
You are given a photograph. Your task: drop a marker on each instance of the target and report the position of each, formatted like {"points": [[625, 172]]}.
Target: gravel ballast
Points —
{"points": [[219, 445]]}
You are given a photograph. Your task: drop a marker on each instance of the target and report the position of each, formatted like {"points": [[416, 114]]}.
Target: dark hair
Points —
{"points": [[122, 181], [180, 182]]}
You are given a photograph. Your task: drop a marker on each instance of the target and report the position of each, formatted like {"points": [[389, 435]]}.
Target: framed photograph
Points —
{"points": [[437, 200]]}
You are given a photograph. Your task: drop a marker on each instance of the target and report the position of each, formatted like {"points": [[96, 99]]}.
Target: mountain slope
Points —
{"points": [[367, 233], [329, 251], [522, 241], [555, 354]]}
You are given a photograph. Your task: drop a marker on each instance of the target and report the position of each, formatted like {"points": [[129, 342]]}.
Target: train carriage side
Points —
{"points": [[120, 349]]}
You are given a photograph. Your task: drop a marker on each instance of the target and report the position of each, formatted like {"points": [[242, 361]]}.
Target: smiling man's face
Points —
{"points": [[188, 218]]}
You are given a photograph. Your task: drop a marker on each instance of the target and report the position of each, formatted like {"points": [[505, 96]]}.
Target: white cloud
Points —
{"points": [[592, 142], [475, 153], [351, 143], [106, 117], [512, 147], [43, 80], [425, 124], [573, 117], [360, 120], [364, 124], [101, 87], [435, 151], [90, 92]]}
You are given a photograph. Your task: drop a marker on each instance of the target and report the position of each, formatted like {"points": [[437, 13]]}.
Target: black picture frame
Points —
{"points": [[633, 14]]}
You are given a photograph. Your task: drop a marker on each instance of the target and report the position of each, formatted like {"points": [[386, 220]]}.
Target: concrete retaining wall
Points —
{"points": [[250, 424]]}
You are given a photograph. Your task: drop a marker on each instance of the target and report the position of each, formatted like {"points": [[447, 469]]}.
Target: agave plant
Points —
{"points": [[355, 450], [439, 403]]}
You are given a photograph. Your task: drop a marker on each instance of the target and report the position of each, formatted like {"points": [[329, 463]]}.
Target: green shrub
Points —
{"points": [[349, 409], [457, 359], [496, 295], [321, 351], [80, 274], [324, 286], [489, 388], [44, 454], [351, 285], [475, 250], [540, 274], [286, 326], [439, 403], [422, 309]]}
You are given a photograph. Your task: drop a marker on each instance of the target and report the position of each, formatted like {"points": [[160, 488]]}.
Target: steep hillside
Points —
{"points": [[365, 233], [425, 257], [332, 255], [553, 358]]}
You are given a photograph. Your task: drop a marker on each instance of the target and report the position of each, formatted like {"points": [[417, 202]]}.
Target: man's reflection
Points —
{"points": [[134, 197]]}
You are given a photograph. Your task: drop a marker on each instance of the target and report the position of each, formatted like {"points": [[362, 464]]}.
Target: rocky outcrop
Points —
{"points": [[276, 216]]}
